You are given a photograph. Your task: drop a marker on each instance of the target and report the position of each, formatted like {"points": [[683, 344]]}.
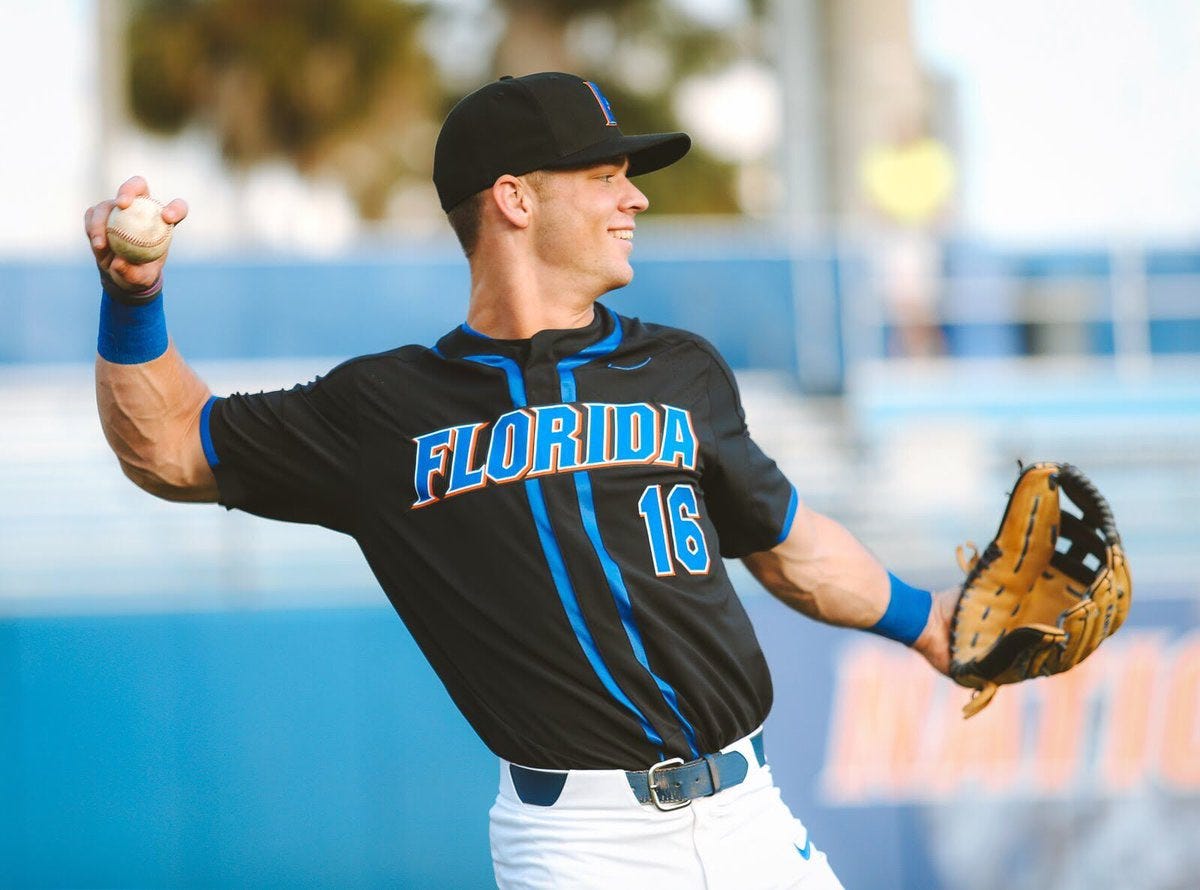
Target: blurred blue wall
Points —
{"points": [[252, 749], [763, 306], [349, 308]]}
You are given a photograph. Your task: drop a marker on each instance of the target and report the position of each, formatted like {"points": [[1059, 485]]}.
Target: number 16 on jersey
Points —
{"points": [[674, 530]]}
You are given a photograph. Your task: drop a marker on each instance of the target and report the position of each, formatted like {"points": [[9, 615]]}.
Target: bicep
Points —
{"points": [[194, 481], [150, 414]]}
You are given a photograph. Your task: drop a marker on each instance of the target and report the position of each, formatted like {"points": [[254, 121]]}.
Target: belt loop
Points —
{"points": [[714, 771], [760, 751], [540, 788]]}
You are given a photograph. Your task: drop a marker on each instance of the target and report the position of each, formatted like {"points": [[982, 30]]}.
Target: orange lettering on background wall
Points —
{"points": [[1125, 737], [1180, 763], [875, 739], [1127, 715], [1061, 742], [911, 684], [981, 753], [849, 770]]}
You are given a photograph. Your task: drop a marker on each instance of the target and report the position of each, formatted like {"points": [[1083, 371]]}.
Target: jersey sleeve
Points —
{"points": [[289, 454], [750, 502]]}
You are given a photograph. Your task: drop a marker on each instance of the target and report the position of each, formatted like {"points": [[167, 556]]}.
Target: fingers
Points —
{"points": [[96, 218], [95, 221], [176, 211], [127, 275], [134, 276], [131, 188]]}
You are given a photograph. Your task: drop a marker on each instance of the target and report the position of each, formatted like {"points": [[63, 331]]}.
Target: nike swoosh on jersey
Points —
{"points": [[806, 852], [640, 364]]}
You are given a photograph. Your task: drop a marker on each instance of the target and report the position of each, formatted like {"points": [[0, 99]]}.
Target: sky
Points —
{"points": [[1079, 117], [49, 125], [1079, 121]]}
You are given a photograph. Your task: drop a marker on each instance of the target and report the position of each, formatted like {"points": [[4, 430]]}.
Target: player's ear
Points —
{"points": [[514, 198]]}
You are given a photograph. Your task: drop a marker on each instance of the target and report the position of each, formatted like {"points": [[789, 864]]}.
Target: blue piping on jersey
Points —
{"points": [[206, 442], [467, 329], [793, 503], [587, 513], [556, 562], [616, 584], [512, 372], [567, 366]]}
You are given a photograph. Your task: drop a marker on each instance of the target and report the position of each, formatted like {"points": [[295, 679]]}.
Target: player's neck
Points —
{"points": [[513, 302]]}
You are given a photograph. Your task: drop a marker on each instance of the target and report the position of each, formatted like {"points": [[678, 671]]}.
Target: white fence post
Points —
{"points": [[1130, 311]]}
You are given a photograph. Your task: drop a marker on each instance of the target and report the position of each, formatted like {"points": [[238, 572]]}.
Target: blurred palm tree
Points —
{"points": [[346, 88], [337, 87]]}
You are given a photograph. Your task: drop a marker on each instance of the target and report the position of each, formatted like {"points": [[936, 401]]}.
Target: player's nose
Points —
{"points": [[634, 201]]}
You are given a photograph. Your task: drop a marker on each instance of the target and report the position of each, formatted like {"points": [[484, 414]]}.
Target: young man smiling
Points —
{"points": [[544, 496], [579, 247]]}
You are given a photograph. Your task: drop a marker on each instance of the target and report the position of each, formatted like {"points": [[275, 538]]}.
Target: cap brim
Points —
{"points": [[646, 153]]}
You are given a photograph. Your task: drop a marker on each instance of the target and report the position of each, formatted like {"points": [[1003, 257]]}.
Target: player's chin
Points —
{"points": [[622, 274]]}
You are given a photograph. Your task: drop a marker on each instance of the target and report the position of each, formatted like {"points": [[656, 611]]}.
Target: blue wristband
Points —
{"points": [[906, 615], [131, 333]]}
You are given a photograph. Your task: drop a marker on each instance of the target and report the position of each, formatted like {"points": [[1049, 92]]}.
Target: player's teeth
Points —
{"points": [[623, 234]]}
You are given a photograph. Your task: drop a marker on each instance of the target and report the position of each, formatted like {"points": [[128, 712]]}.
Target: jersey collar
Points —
{"points": [[544, 346]]}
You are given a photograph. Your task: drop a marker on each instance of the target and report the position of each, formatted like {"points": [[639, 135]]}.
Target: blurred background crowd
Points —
{"points": [[932, 238]]}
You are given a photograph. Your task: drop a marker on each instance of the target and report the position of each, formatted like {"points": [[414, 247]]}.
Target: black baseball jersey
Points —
{"points": [[547, 516]]}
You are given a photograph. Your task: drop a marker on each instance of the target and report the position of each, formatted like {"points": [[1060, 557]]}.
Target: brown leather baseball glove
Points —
{"points": [[1045, 592]]}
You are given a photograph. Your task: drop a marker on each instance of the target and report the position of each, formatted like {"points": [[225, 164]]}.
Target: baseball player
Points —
{"points": [[545, 496]]}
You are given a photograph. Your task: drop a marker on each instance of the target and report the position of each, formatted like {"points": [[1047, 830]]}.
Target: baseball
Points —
{"points": [[138, 233]]}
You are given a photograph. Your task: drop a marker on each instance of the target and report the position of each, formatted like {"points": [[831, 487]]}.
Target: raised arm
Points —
{"points": [[150, 401], [822, 570]]}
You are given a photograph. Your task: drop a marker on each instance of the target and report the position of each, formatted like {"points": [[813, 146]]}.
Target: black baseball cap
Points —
{"points": [[537, 122]]}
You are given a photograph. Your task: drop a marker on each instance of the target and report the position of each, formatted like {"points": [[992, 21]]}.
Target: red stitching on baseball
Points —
{"points": [[139, 242]]}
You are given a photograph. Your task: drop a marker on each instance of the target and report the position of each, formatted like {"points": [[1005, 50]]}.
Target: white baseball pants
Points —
{"points": [[597, 835]]}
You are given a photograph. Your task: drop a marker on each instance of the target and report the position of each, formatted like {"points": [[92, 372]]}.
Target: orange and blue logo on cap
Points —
{"points": [[605, 105]]}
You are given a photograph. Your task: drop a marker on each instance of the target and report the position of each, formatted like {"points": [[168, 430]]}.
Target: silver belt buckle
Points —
{"points": [[665, 807]]}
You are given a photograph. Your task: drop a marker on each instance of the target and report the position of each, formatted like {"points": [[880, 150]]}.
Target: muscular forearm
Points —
{"points": [[150, 413], [822, 570], [150, 401]]}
